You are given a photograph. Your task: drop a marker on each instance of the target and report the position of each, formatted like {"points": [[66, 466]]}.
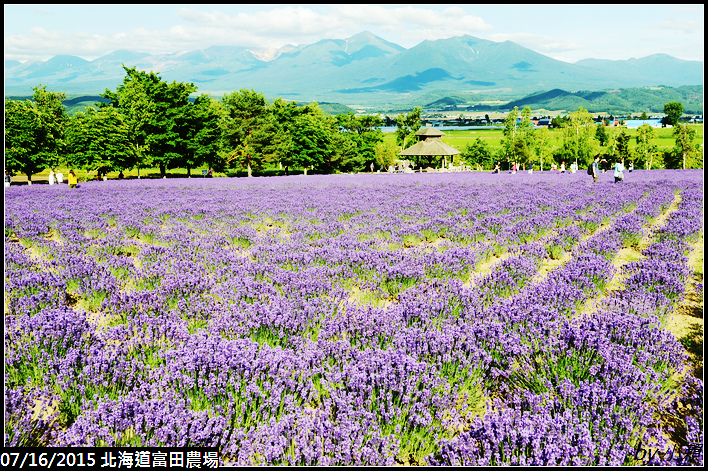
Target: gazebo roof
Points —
{"points": [[431, 132], [430, 147]]}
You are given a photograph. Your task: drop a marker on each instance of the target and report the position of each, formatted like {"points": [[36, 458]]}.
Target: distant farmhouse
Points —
{"points": [[635, 123]]}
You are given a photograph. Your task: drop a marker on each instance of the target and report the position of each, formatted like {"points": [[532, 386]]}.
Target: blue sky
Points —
{"points": [[564, 32]]}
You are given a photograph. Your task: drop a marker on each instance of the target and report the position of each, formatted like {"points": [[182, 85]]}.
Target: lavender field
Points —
{"points": [[426, 319]]}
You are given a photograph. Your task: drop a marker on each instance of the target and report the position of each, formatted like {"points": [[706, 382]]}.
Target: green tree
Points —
{"points": [[510, 131], [298, 137], [478, 154], [34, 132], [559, 121], [673, 111], [622, 150], [577, 132], [273, 139], [357, 139], [645, 148], [407, 124], [601, 134], [132, 100], [526, 136], [157, 110], [167, 146], [518, 136], [55, 118], [24, 137], [247, 111], [99, 141], [683, 148], [274, 143], [386, 154], [312, 138], [199, 132], [540, 145], [522, 152]]}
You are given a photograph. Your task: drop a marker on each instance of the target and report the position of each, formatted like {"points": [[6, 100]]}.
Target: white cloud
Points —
{"points": [[303, 25], [274, 27], [682, 25]]}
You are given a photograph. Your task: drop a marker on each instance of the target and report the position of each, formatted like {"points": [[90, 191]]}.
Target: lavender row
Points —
{"points": [[549, 406]]}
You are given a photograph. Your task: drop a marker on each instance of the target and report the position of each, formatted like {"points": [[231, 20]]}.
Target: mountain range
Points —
{"points": [[363, 69]]}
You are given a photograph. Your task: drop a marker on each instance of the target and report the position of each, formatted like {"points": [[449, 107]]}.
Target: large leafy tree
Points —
{"points": [[133, 101], [510, 134], [312, 138], [99, 140], [167, 145], [157, 111], [273, 140], [577, 135], [356, 141], [673, 111], [55, 118], [540, 145], [247, 111], [683, 152], [199, 130], [525, 136], [297, 136], [601, 134], [518, 135], [386, 154], [645, 149], [477, 153], [24, 138], [408, 124], [34, 132], [622, 150]]}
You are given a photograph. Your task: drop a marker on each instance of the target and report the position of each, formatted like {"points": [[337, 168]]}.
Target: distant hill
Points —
{"points": [[75, 104], [629, 100], [662, 68], [362, 69]]}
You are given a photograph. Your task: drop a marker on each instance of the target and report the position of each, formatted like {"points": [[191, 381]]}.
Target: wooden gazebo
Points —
{"points": [[429, 146]]}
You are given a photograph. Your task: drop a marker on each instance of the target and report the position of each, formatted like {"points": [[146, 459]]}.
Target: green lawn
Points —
{"points": [[493, 137]]}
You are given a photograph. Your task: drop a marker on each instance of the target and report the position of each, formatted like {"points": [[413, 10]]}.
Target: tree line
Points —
{"points": [[582, 139], [149, 123]]}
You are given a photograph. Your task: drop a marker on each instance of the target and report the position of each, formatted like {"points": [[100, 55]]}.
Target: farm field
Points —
{"points": [[493, 137], [450, 319]]}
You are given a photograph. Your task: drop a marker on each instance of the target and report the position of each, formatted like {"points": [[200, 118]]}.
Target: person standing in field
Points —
{"points": [[8, 179], [73, 179], [59, 176], [619, 167], [595, 168], [496, 168], [562, 169], [52, 181], [631, 166]]}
